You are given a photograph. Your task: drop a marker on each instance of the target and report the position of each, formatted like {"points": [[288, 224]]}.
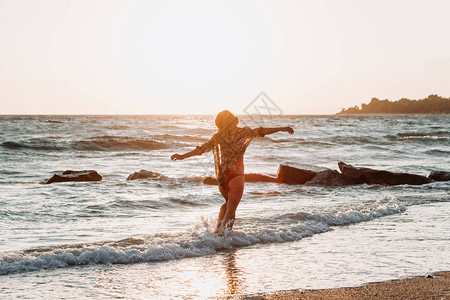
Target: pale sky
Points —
{"points": [[200, 57]]}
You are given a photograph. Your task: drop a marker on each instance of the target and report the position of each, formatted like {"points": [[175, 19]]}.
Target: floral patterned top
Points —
{"points": [[229, 149]]}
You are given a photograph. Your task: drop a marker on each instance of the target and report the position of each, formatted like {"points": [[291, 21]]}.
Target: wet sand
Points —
{"points": [[437, 287]]}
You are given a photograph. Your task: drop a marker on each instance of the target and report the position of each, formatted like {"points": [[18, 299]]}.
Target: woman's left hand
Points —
{"points": [[289, 129]]}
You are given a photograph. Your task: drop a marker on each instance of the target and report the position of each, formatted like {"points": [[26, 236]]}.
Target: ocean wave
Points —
{"points": [[8, 182], [118, 144], [312, 143], [127, 205], [279, 140], [189, 130], [10, 172], [200, 242], [184, 202], [31, 146], [438, 152], [117, 127], [129, 154], [53, 121], [351, 140], [352, 214], [271, 193], [424, 132], [103, 143], [297, 141], [422, 138], [180, 138]]}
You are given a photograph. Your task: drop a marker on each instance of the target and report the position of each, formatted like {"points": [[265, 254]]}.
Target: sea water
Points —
{"points": [[153, 238]]}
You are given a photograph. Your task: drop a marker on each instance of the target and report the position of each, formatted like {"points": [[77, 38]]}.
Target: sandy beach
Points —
{"points": [[436, 286]]}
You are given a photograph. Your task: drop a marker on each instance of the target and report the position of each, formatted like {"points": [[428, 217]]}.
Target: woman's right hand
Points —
{"points": [[176, 157]]}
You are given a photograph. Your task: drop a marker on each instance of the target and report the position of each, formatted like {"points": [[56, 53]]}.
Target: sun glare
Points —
{"points": [[187, 55]]}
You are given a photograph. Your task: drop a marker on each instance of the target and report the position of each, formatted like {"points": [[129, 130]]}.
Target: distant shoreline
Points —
{"points": [[239, 115], [433, 104], [435, 286]]}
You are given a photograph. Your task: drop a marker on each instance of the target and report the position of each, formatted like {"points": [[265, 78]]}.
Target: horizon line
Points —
{"points": [[283, 115]]}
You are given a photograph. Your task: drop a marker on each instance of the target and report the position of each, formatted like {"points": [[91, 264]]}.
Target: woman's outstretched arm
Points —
{"points": [[194, 152], [199, 150], [266, 131]]}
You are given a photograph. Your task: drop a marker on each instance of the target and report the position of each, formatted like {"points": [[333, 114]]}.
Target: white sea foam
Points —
{"points": [[201, 241]]}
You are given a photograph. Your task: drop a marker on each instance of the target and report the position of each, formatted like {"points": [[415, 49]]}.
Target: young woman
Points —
{"points": [[229, 145]]}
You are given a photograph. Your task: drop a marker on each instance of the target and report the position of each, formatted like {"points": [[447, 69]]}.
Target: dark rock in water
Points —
{"points": [[439, 175], [291, 175], [371, 176], [210, 180], [69, 175], [254, 177], [329, 178], [353, 174], [144, 174], [304, 166]]}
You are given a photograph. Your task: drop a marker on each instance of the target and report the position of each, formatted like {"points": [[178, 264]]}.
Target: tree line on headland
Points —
{"points": [[431, 104]]}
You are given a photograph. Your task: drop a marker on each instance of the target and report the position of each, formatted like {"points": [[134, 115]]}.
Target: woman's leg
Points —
{"points": [[235, 191], [223, 208]]}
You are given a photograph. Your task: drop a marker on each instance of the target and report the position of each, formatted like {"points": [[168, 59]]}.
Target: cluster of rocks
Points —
{"points": [[348, 175]]}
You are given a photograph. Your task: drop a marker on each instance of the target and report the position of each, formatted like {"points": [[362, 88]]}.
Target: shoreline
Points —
{"points": [[424, 287]]}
